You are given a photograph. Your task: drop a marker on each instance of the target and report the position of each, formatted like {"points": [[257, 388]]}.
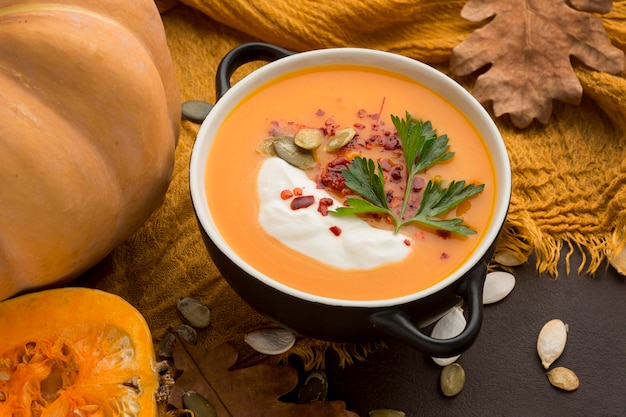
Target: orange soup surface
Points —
{"points": [[330, 98]]}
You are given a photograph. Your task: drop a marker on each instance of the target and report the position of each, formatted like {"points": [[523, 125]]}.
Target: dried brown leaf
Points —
{"points": [[252, 391], [528, 45]]}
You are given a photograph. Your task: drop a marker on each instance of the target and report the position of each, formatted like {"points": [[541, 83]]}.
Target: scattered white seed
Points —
{"points": [[563, 378], [618, 260], [509, 259], [551, 341], [498, 284], [450, 325], [271, 341]]}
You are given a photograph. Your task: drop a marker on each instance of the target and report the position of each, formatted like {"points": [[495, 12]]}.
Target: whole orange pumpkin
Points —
{"points": [[89, 118]]}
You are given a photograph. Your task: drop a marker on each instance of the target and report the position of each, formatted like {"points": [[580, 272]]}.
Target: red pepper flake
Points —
{"points": [[444, 255], [323, 205], [320, 112], [359, 126], [444, 234], [286, 194], [407, 242], [302, 202], [330, 121], [297, 191], [361, 113], [335, 230]]}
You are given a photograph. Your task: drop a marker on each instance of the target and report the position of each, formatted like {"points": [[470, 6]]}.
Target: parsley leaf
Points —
{"points": [[438, 200], [361, 177], [422, 149]]}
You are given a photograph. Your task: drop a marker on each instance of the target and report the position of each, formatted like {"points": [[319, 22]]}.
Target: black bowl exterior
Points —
{"points": [[337, 323]]}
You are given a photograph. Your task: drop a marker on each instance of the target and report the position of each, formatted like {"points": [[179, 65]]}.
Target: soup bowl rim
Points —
{"points": [[422, 73]]}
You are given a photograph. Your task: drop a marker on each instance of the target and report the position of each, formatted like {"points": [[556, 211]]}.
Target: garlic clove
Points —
{"points": [[271, 341], [450, 325], [498, 285], [551, 341]]}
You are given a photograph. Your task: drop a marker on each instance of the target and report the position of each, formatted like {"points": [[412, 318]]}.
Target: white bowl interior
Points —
{"points": [[420, 72]]}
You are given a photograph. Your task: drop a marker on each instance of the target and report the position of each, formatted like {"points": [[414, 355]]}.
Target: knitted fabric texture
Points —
{"points": [[569, 176]]}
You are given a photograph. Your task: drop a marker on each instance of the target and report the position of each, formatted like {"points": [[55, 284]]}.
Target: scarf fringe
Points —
{"points": [[521, 236]]}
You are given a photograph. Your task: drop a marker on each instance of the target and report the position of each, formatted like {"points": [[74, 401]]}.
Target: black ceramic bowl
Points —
{"points": [[342, 320]]}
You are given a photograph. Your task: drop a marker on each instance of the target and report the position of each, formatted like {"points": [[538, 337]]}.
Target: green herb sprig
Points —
{"points": [[422, 149]]}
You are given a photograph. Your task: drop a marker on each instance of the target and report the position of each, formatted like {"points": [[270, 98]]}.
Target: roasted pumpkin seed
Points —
{"points": [[313, 388], [200, 406], [498, 285], [449, 326], [563, 378], [340, 139], [508, 259], [452, 379], [386, 412], [194, 313], [166, 345], [187, 333], [308, 138], [272, 341], [286, 149], [551, 341]]}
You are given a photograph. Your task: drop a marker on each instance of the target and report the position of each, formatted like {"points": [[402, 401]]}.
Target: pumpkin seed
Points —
{"points": [[187, 333], [271, 341], [196, 111], [340, 139], [194, 313], [267, 146], [308, 138], [563, 378], [386, 412], [166, 345], [508, 259], [450, 325], [200, 406], [287, 150], [551, 341], [452, 379], [314, 388], [498, 284]]}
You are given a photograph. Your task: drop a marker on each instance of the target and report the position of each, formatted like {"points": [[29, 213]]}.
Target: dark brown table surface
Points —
{"points": [[504, 374]]}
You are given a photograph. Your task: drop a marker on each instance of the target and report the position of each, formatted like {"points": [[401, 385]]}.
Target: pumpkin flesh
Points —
{"points": [[75, 352], [89, 118]]}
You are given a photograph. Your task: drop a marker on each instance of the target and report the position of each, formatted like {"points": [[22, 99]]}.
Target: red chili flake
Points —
{"points": [[329, 121], [320, 112], [359, 126], [302, 202], [361, 113], [323, 205], [297, 191], [286, 194], [444, 255], [407, 242], [335, 230], [444, 234]]}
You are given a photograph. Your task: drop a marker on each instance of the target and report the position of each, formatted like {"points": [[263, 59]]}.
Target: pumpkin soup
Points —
{"points": [[284, 220]]}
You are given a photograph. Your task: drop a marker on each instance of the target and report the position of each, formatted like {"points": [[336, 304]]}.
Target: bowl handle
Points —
{"points": [[197, 110], [243, 54], [397, 324]]}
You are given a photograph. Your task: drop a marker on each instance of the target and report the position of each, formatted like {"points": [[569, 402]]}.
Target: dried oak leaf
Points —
{"points": [[529, 44], [247, 392]]}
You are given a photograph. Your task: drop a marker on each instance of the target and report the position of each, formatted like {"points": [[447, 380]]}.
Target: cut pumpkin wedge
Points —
{"points": [[75, 352]]}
